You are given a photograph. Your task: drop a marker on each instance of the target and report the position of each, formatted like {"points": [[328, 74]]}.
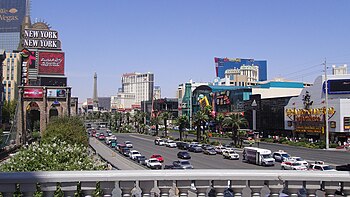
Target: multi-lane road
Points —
{"points": [[145, 145]]}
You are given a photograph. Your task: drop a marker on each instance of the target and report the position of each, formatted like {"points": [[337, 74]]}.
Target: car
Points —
{"points": [[125, 151], [101, 136], [109, 132], [345, 167], [159, 142], [219, 149], [280, 156], [182, 145], [299, 160], [209, 150], [128, 144], [184, 164], [97, 134], [141, 160], [290, 165], [153, 163], [230, 154], [109, 138], [183, 155], [159, 157], [170, 144], [320, 166], [133, 154], [195, 149], [120, 146]]}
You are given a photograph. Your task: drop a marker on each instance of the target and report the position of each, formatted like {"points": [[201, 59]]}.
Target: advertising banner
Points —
{"points": [[51, 63], [33, 93], [11, 15], [56, 93]]}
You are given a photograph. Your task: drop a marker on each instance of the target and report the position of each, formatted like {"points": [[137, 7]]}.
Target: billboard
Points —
{"points": [[41, 39], [11, 15], [33, 93], [51, 63], [53, 81], [56, 93]]}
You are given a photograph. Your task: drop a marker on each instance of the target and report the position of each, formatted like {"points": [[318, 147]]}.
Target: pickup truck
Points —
{"points": [[153, 163]]}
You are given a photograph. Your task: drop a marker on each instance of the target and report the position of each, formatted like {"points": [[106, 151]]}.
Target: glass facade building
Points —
{"points": [[12, 13], [222, 64]]}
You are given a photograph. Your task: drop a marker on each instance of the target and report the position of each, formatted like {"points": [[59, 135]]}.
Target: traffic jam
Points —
{"points": [[253, 155]]}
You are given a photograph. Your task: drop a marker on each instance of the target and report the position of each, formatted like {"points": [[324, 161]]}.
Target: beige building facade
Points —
{"points": [[11, 72]]}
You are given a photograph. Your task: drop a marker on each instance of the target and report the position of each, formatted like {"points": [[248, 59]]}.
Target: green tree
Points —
{"points": [[219, 119], [69, 129], [8, 111], [127, 116], [182, 122], [165, 116], [200, 118], [235, 121], [155, 121]]}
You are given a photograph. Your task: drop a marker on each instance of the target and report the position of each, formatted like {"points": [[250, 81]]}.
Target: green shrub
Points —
{"points": [[69, 129]]}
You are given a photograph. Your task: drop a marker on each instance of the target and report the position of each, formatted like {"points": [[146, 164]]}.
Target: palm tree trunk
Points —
{"points": [[181, 132], [157, 130], [165, 127], [198, 132]]}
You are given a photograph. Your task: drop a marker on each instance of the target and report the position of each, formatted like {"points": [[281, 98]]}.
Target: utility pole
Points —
{"points": [[326, 102]]}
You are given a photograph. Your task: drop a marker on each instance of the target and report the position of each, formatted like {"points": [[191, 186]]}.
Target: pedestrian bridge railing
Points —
{"points": [[183, 183]]}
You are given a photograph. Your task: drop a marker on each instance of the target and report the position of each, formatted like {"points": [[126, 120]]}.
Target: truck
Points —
{"points": [[258, 156]]}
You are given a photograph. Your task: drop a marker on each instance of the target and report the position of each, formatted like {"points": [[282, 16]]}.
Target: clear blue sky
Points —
{"points": [[178, 40]]}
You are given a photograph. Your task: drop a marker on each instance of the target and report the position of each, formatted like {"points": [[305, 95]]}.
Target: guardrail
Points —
{"points": [[181, 183]]}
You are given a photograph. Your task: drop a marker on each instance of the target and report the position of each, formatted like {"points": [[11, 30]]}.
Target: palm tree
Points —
{"points": [[200, 118], [127, 116], [165, 116], [219, 119], [182, 122], [155, 121], [139, 119], [235, 121]]}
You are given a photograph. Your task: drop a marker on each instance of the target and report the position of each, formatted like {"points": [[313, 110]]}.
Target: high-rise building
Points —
{"points": [[223, 64], [157, 92], [11, 73], [12, 13], [141, 84]]}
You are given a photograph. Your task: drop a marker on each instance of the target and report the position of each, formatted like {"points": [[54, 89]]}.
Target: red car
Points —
{"points": [[159, 157], [101, 136]]}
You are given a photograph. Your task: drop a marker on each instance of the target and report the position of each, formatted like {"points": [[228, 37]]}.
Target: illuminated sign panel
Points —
{"points": [[11, 15], [33, 93], [56, 93], [41, 39], [51, 63], [340, 86]]}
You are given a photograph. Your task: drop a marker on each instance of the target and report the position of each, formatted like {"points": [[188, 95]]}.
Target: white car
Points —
{"points": [[230, 154], [153, 163], [133, 154], [299, 160], [289, 165], [110, 138], [171, 144], [128, 144], [281, 156], [320, 167], [159, 142], [219, 149]]}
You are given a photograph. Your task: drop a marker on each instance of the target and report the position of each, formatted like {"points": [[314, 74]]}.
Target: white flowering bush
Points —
{"points": [[54, 156]]}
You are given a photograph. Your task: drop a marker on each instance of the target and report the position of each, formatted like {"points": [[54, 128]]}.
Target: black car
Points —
{"points": [[141, 160], [196, 149], [172, 167], [125, 151], [182, 145], [183, 155]]}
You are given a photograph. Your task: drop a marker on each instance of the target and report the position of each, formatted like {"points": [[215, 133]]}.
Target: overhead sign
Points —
{"points": [[51, 63], [33, 93], [11, 15], [41, 39], [56, 93]]}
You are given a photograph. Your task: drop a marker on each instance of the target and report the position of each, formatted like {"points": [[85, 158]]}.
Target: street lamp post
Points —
{"points": [[254, 105], [326, 102]]}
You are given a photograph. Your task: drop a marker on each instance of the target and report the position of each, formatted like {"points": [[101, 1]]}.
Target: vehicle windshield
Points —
{"points": [[135, 152], [232, 152], [266, 156], [285, 155], [153, 160], [327, 168], [296, 164], [185, 162], [299, 159]]}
